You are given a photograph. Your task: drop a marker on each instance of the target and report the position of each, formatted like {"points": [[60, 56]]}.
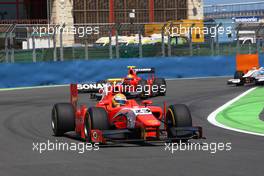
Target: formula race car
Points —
{"points": [[253, 76], [136, 86], [116, 119]]}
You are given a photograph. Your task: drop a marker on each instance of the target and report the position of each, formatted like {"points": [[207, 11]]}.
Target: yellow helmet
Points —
{"points": [[130, 76], [119, 100]]}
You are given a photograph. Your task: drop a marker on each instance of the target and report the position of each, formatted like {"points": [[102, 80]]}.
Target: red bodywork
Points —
{"points": [[133, 79], [150, 123]]}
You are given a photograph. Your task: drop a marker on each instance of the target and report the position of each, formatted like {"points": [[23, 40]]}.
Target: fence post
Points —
{"points": [[212, 45], [34, 48], [54, 46], [140, 44], [12, 48], [169, 46], [190, 43], [6, 49], [238, 46], [110, 44], [163, 41], [48, 41], [258, 46], [237, 35], [258, 38], [261, 47], [61, 43], [86, 49], [250, 48], [86, 52], [217, 42], [73, 52], [117, 44], [169, 41], [28, 37]]}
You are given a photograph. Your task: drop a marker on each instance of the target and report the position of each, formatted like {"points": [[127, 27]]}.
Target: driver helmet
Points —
{"points": [[130, 76], [119, 100]]}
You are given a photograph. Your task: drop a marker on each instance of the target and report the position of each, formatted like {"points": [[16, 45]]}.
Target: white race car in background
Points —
{"points": [[253, 76]]}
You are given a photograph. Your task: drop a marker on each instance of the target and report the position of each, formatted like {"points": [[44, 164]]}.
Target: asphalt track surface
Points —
{"points": [[25, 118]]}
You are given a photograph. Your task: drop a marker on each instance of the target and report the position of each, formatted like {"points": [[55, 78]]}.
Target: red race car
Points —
{"points": [[116, 119], [135, 84], [154, 86]]}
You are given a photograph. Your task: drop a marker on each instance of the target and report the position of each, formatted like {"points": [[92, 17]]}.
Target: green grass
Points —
{"points": [[244, 113]]}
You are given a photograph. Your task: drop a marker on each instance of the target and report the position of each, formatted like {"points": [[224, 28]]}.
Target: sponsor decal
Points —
{"points": [[248, 19], [90, 86], [144, 70]]}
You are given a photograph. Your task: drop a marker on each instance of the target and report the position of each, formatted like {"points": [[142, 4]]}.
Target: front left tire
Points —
{"points": [[239, 75], [62, 118]]}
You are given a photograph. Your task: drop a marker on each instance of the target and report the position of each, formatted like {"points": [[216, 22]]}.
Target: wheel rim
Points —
{"points": [[143, 131], [53, 120], [87, 128], [52, 124], [170, 122], [170, 119]]}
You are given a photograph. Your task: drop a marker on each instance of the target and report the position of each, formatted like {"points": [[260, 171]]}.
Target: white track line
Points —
{"points": [[212, 117], [26, 88], [193, 78], [51, 86]]}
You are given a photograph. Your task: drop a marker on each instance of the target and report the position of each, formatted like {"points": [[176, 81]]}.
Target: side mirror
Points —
{"points": [[147, 102]]}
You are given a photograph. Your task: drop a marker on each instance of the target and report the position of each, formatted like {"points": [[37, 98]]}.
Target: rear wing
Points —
{"points": [[115, 80], [76, 89], [87, 88], [144, 70]]}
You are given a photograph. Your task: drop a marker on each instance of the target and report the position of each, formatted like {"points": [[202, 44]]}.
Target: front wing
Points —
{"points": [[121, 136]]}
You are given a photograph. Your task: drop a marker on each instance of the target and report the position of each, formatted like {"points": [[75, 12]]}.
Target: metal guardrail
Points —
{"points": [[9, 44]]}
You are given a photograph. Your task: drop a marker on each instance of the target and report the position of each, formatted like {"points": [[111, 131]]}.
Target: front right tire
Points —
{"points": [[178, 115], [96, 118]]}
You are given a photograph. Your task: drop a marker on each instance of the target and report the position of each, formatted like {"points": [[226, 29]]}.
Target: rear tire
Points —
{"points": [[160, 82], [239, 75], [62, 118], [101, 82], [178, 115]]}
